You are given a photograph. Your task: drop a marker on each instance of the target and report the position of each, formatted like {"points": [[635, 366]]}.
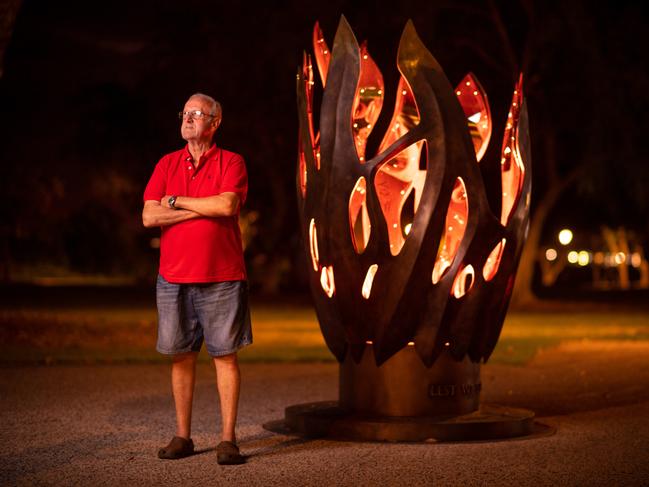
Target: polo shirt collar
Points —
{"points": [[211, 153]]}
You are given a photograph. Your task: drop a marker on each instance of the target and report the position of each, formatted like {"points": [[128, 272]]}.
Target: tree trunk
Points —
{"points": [[523, 294]]}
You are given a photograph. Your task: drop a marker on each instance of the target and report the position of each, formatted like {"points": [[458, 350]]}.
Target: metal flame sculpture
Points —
{"points": [[403, 246]]}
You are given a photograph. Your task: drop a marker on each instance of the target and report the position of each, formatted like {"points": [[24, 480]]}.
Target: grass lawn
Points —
{"points": [[281, 334]]}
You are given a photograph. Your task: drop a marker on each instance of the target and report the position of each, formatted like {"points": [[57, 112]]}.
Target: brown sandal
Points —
{"points": [[227, 453], [177, 448]]}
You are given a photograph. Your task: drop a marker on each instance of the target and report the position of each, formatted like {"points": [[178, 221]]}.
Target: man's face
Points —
{"points": [[196, 128]]}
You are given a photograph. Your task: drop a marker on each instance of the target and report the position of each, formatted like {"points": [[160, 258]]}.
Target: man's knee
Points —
{"points": [[226, 360], [187, 357]]}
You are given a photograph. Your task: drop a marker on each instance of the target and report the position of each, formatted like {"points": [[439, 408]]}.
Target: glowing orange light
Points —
{"points": [[463, 281], [322, 54], [368, 102], [402, 178], [313, 245], [359, 219], [399, 184], [512, 167], [302, 170], [476, 110], [327, 281], [369, 279], [493, 261], [456, 217]]}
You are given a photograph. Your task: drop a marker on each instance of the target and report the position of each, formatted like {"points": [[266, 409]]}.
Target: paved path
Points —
{"points": [[102, 425]]}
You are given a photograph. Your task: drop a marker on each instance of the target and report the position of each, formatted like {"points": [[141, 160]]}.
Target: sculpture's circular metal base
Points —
{"points": [[327, 419]]}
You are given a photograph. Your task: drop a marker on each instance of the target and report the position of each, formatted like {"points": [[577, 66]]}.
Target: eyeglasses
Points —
{"points": [[198, 114]]}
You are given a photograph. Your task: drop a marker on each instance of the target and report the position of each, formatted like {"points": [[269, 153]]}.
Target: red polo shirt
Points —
{"points": [[203, 249]]}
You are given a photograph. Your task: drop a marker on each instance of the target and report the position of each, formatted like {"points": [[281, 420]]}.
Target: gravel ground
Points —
{"points": [[102, 425]]}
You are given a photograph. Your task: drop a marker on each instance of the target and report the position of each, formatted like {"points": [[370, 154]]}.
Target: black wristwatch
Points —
{"points": [[172, 202]]}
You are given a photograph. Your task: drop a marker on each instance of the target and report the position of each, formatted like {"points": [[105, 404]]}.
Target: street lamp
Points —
{"points": [[565, 236]]}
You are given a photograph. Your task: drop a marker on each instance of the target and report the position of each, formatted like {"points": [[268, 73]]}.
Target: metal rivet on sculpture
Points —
{"points": [[404, 250]]}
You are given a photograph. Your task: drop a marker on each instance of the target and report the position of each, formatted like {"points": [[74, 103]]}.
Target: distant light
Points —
{"points": [[369, 279], [573, 256], [551, 255], [636, 259], [620, 258], [407, 228], [565, 236], [583, 259], [598, 258]]}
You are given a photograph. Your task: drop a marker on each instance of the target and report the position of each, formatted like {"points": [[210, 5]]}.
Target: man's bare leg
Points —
{"points": [[228, 381], [183, 376]]}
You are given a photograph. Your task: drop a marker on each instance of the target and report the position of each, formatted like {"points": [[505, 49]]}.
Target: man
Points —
{"points": [[195, 194]]}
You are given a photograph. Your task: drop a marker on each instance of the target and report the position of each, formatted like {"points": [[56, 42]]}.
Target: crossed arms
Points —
{"points": [[160, 214]]}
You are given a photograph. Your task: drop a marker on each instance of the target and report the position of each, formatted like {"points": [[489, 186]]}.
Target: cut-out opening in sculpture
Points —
{"points": [[454, 228], [307, 79], [369, 279], [493, 261], [322, 53], [408, 213], [463, 281], [399, 181], [359, 219], [473, 99], [327, 281], [512, 166], [302, 170], [313, 245], [405, 116], [368, 102]]}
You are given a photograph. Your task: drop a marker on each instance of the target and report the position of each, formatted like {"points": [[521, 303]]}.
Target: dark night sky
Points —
{"points": [[90, 92]]}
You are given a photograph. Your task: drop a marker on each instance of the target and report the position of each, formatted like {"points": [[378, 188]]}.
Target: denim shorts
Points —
{"points": [[216, 312]]}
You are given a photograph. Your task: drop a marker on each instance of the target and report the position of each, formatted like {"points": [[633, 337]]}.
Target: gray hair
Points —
{"points": [[215, 106]]}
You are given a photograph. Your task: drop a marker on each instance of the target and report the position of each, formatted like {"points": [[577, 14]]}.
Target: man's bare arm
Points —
{"points": [[156, 215], [224, 204]]}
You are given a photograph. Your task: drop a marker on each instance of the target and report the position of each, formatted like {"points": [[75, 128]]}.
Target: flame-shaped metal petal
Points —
{"points": [[322, 53], [512, 165], [473, 99], [367, 102]]}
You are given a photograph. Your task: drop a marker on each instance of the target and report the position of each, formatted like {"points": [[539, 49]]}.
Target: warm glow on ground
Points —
{"points": [[281, 333]]}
